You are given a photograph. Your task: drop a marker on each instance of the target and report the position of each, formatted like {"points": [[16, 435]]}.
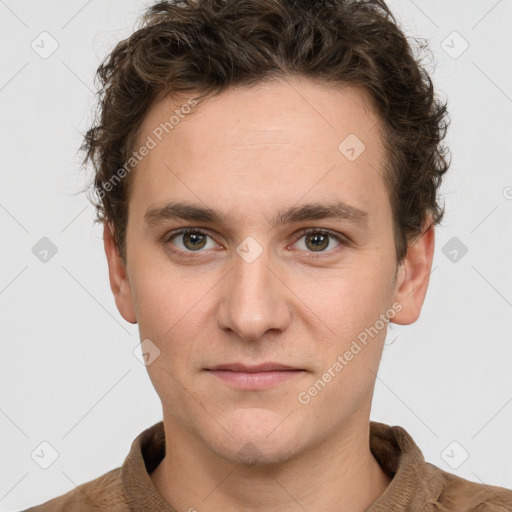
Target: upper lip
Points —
{"points": [[263, 367]]}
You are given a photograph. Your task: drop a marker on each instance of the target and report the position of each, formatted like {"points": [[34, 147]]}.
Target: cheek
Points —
{"points": [[350, 299], [351, 358], [163, 299], [172, 311]]}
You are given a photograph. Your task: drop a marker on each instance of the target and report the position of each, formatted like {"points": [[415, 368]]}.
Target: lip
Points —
{"points": [[254, 378], [263, 367]]}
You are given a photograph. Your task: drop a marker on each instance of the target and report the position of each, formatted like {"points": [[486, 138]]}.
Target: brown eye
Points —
{"points": [[194, 241], [190, 240], [317, 241]]}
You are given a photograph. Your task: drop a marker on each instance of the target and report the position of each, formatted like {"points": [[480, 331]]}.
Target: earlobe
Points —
{"points": [[414, 276], [119, 282]]}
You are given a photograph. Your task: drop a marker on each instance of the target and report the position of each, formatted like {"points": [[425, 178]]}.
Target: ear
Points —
{"points": [[119, 283], [413, 277]]}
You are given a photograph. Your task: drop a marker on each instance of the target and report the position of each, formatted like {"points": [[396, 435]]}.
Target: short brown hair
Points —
{"points": [[207, 46]]}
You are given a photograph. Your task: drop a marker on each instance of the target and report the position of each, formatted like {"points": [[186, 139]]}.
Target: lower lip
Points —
{"points": [[255, 380]]}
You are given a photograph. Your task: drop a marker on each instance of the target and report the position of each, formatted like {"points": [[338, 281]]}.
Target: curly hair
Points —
{"points": [[207, 46]]}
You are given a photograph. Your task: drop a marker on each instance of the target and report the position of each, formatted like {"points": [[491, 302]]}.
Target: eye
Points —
{"points": [[317, 240], [190, 240], [194, 240]]}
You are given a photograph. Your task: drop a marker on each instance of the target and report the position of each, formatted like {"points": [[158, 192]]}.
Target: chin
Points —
{"points": [[261, 454], [259, 438]]}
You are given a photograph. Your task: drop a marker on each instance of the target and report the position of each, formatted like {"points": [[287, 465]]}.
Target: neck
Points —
{"points": [[341, 474]]}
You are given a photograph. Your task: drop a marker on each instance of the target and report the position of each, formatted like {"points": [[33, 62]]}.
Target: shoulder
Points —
{"points": [[102, 493], [421, 486], [461, 495]]}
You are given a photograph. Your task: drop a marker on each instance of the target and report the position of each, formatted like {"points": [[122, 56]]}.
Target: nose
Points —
{"points": [[254, 299]]}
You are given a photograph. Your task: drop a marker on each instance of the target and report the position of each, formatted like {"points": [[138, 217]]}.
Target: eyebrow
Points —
{"points": [[337, 210]]}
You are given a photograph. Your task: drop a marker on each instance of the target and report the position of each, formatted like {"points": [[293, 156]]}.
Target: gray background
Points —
{"points": [[69, 374]]}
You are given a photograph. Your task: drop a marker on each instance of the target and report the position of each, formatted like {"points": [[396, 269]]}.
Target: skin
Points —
{"points": [[250, 153]]}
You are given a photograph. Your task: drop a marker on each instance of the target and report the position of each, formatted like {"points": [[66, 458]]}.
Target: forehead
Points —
{"points": [[279, 111], [278, 141]]}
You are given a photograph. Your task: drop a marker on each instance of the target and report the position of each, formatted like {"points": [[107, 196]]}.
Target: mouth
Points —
{"points": [[254, 378]]}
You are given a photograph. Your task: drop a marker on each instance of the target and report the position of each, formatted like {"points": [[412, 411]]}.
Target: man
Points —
{"points": [[267, 175]]}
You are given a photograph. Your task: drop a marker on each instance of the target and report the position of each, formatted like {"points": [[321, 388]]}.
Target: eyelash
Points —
{"points": [[342, 240]]}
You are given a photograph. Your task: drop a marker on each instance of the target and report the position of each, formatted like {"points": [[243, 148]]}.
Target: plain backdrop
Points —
{"points": [[69, 376]]}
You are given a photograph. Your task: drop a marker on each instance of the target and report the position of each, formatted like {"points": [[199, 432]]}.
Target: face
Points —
{"points": [[288, 258]]}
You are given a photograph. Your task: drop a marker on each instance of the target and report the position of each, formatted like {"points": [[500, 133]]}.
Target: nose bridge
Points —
{"points": [[251, 275], [254, 299]]}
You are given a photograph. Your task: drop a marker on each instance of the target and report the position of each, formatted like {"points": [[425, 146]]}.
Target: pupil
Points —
{"points": [[194, 238], [319, 241]]}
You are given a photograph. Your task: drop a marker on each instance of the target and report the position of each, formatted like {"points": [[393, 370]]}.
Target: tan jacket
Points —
{"points": [[415, 485]]}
